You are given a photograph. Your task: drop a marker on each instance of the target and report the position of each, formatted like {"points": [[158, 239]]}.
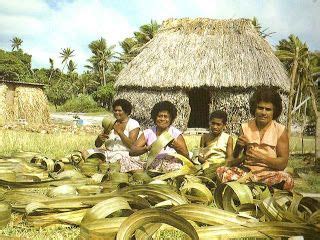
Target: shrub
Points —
{"points": [[81, 103]]}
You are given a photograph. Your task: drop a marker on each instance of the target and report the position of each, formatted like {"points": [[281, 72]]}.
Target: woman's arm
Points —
{"points": [[229, 149], [203, 141], [280, 162], [179, 144], [100, 139], [139, 147], [236, 157], [127, 141]]}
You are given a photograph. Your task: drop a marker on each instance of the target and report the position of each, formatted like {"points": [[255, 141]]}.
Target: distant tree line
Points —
{"points": [[97, 80]]}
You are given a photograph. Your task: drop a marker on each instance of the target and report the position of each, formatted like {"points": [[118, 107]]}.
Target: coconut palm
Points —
{"points": [[16, 43], [262, 32], [87, 81], [133, 46], [292, 53], [51, 68], [101, 59], [71, 66], [129, 50], [304, 67], [66, 54]]}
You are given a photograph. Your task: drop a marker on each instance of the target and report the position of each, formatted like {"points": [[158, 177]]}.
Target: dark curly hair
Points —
{"points": [[266, 94], [164, 106], [219, 114], [124, 104]]}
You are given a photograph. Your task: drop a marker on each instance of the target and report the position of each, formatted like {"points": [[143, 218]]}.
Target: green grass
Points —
{"points": [[19, 227], [52, 145]]}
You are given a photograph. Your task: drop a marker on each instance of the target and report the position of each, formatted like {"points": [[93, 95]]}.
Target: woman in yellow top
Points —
{"points": [[264, 143], [216, 146]]}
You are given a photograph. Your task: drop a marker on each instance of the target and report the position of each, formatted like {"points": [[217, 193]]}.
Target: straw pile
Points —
{"points": [[219, 55], [30, 103]]}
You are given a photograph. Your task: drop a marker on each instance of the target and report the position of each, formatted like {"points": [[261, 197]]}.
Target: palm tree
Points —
{"points": [[101, 59], [262, 32], [292, 53], [133, 46], [128, 47], [66, 54], [51, 68], [87, 81], [16, 43], [71, 66]]}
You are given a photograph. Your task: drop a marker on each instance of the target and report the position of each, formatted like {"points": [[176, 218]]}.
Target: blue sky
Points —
{"points": [[47, 26]]}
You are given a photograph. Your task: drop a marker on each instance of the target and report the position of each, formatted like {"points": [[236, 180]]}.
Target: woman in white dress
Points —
{"points": [[115, 145]]}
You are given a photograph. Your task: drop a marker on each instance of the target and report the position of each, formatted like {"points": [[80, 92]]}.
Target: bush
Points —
{"points": [[81, 103]]}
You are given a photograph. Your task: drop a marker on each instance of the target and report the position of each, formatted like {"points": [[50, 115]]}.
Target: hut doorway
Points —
{"points": [[199, 100]]}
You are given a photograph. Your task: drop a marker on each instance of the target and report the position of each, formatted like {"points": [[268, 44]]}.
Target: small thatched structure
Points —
{"points": [[201, 65], [21, 100]]}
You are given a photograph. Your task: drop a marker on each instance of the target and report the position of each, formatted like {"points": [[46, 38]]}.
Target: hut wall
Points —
{"points": [[10, 116], [31, 103], [3, 105], [236, 103], [143, 100]]}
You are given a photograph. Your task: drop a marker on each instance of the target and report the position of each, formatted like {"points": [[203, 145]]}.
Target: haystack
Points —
{"points": [[201, 65], [20, 100]]}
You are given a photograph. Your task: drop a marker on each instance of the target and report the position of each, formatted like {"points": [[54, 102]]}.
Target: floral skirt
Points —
{"points": [[165, 164], [280, 179]]}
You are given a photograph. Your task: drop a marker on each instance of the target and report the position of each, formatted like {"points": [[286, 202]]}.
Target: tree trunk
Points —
{"points": [[291, 94], [317, 137], [297, 96], [103, 75]]}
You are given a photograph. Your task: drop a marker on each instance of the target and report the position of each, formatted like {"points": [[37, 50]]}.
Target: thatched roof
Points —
{"points": [[188, 53], [41, 85]]}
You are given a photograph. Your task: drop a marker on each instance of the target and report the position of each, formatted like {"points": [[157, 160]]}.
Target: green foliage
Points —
{"points": [[71, 66], [101, 59], [104, 94], [16, 43], [15, 66], [262, 32], [59, 92], [81, 103], [132, 46]]}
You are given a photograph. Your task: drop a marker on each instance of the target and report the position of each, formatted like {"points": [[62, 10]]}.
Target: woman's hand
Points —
{"points": [[242, 141], [101, 139], [118, 128], [255, 156]]}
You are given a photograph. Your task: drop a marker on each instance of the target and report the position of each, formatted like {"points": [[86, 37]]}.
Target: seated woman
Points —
{"points": [[264, 143], [216, 146], [119, 140], [163, 114]]}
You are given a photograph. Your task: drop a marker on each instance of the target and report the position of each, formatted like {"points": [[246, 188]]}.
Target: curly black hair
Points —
{"points": [[266, 94], [219, 114], [124, 104], [164, 106]]}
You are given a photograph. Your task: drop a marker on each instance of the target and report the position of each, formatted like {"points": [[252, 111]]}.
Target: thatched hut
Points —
{"points": [[23, 101], [201, 65]]}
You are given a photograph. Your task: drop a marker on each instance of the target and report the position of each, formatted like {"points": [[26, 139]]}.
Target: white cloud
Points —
{"points": [[75, 25]]}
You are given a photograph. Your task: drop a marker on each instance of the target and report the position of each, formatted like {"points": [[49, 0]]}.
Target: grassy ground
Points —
{"points": [[60, 144], [52, 145]]}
